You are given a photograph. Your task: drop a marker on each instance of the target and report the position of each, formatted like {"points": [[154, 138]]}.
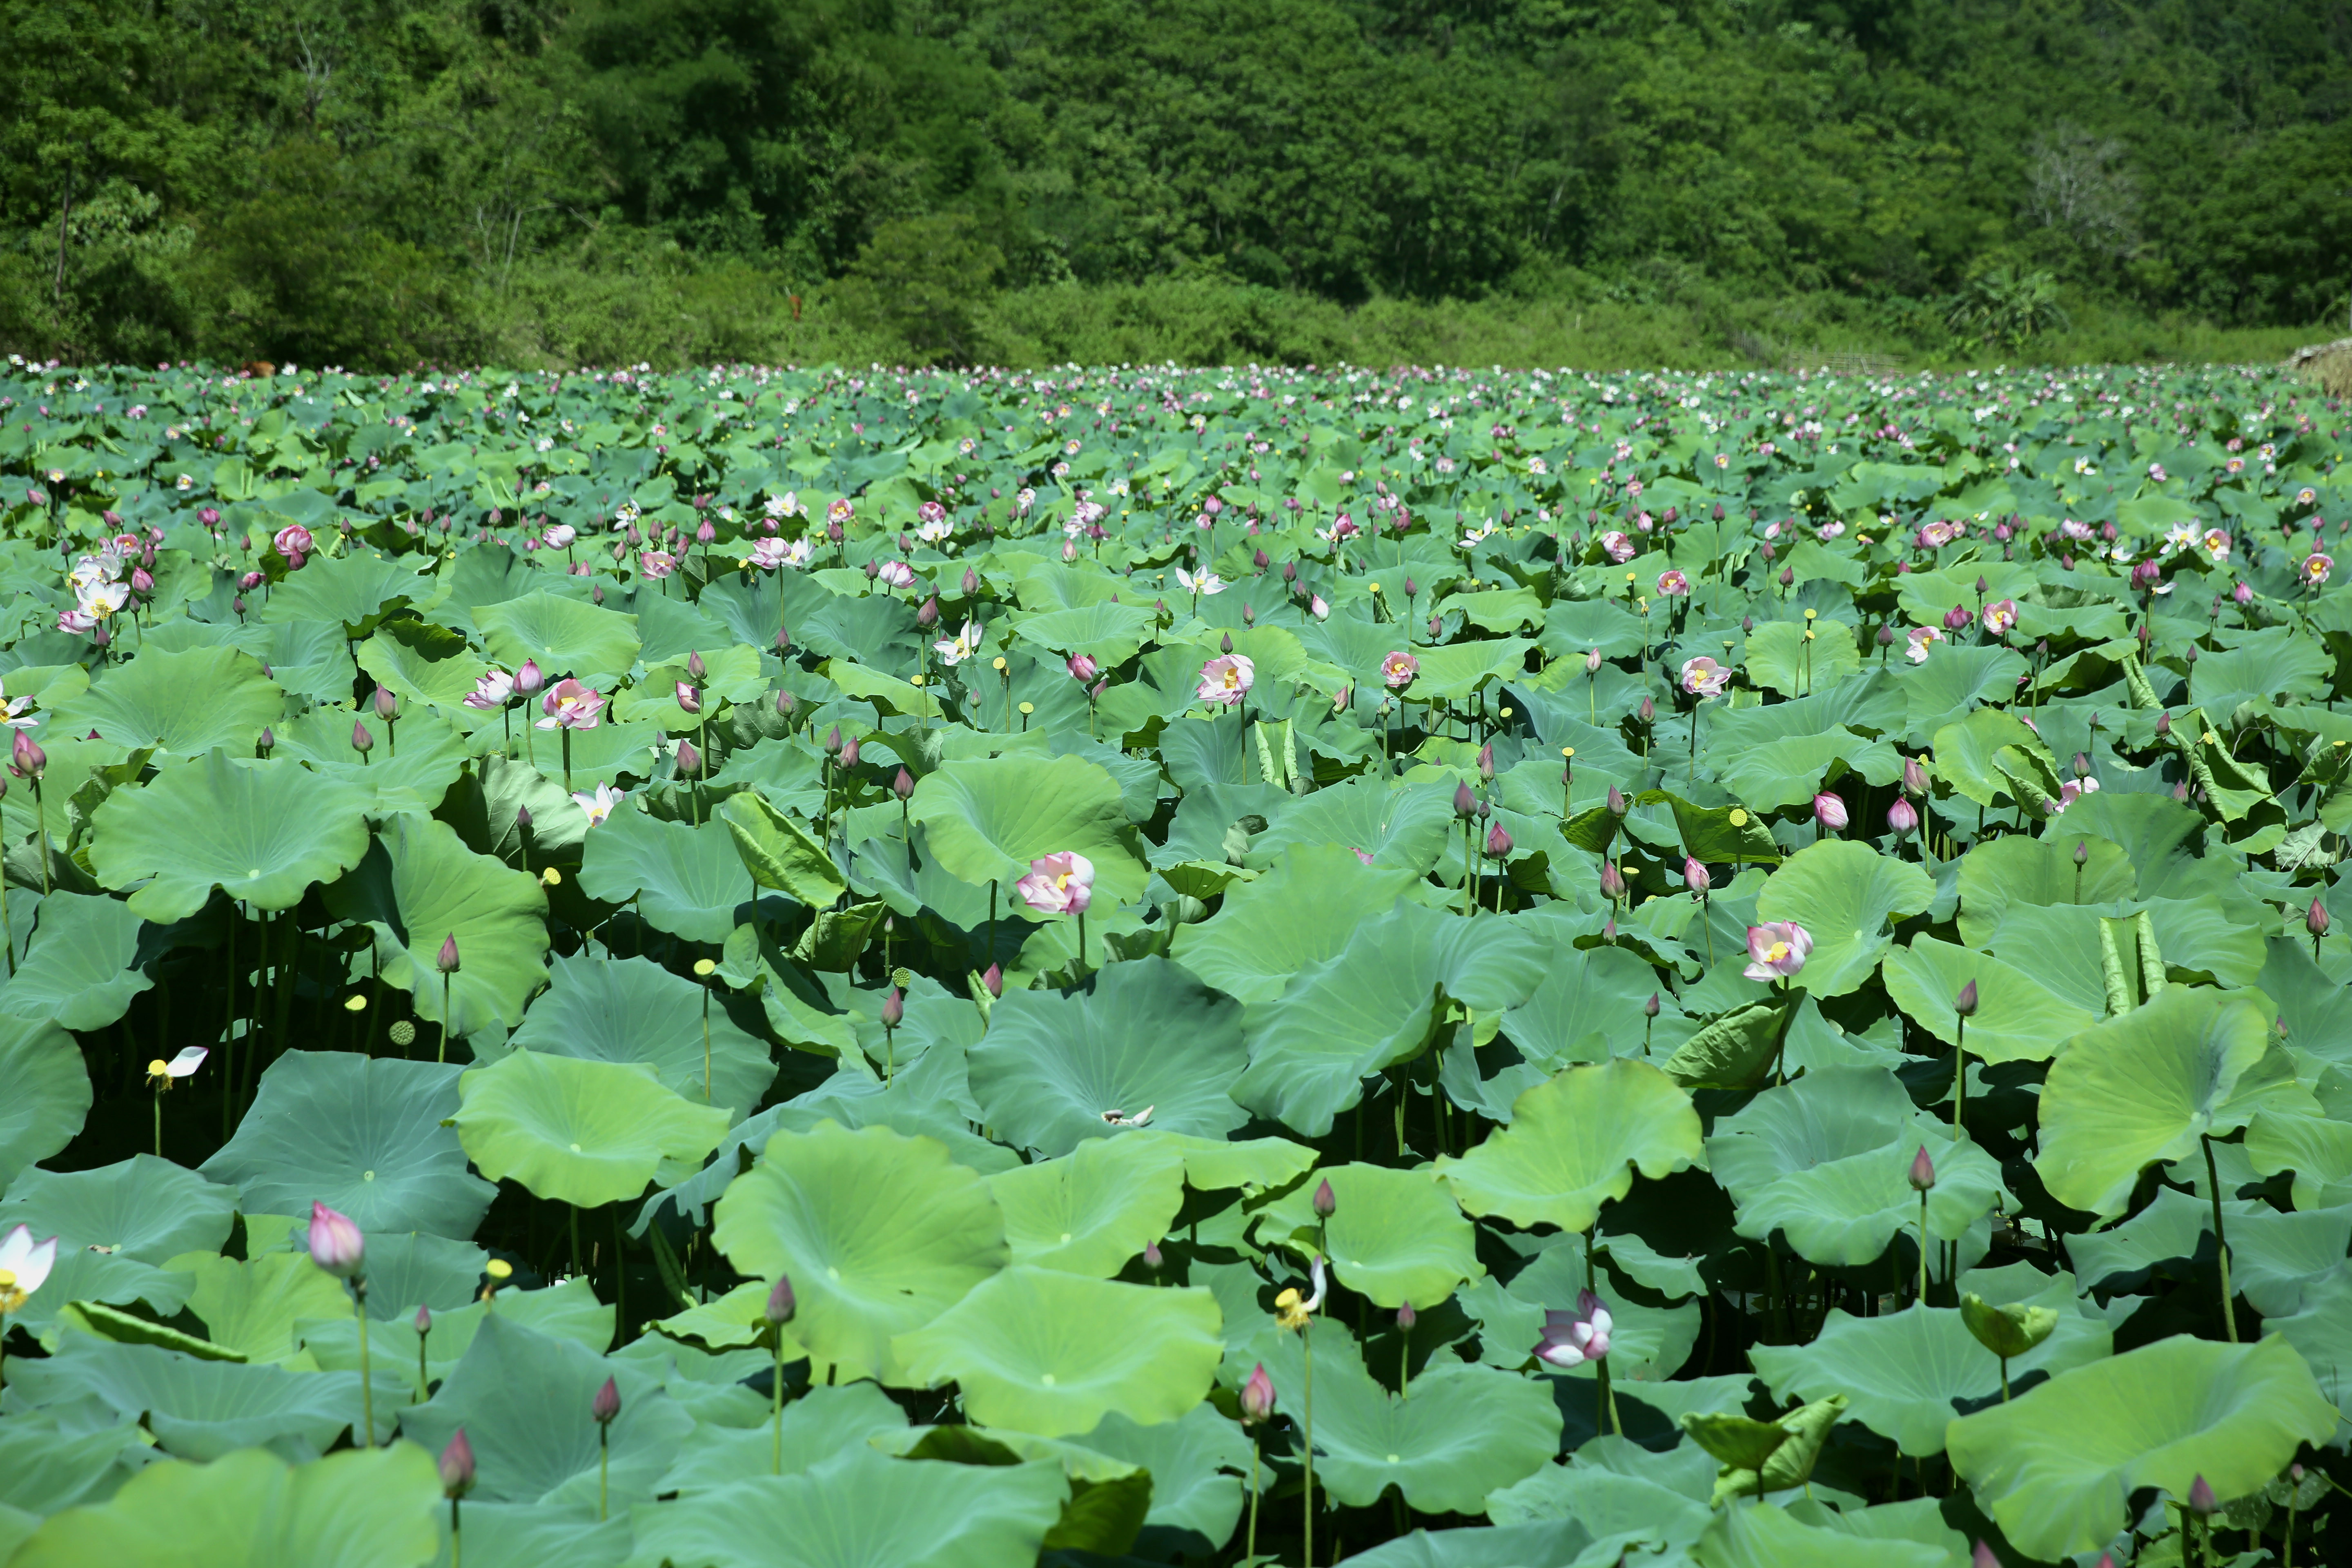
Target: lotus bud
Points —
{"points": [[528, 679], [784, 639], [1650, 1008], [1609, 931], [1983, 1556], [1965, 1003], [1923, 1171], [2081, 765], [336, 1244], [689, 700], [1902, 820], [928, 615], [849, 752], [1694, 875], [1486, 762], [607, 1403], [781, 1305], [1647, 713], [1592, 661], [1915, 777], [970, 583], [2315, 918], [2241, 594], [1828, 810], [1957, 619], [1259, 559], [1885, 635], [873, 569], [689, 760], [1788, 573], [2164, 724], [833, 742], [27, 757], [1465, 805], [1257, 1397], [1411, 588], [994, 980], [1225, 643], [362, 740], [423, 1322], [237, 604], [1613, 881], [457, 1465], [1498, 843], [904, 784], [1152, 1258], [1436, 628], [2202, 1501], [1746, 626], [1324, 1204], [2066, 560], [1289, 569], [446, 961], [894, 1010], [785, 704]]}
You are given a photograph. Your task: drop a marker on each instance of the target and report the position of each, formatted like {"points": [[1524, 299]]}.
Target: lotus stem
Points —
{"points": [[620, 1281], [1608, 1397], [567, 760], [1249, 1551], [1922, 1249], [706, 1043], [452, 1533], [1960, 1073], [1307, 1348], [41, 832], [423, 1380], [443, 1048], [2220, 1242], [367, 1389], [777, 1396], [603, 1469], [1082, 944], [9, 924]]}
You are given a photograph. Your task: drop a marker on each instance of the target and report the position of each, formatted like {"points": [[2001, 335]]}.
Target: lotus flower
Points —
{"points": [[1828, 810], [559, 536], [25, 1265], [2314, 571], [1207, 583], [1571, 1339], [1227, 680], [294, 542], [964, 645], [1778, 949], [657, 565], [161, 1073], [1398, 669], [528, 681], [336, 1244], [688, 698], [1921, 639], [569, 705], [897, 573], [1058, 884], [1703, 677], [1084, 668], [457, 1465], [1257, 1397], [1672, 585], [2000, 617], [1618, 547], [600, 805], [491, 690]]}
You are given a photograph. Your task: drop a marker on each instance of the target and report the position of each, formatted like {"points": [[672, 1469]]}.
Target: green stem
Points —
{"points": [[1608, 1400], [620, 1281], [1922, 1249], [443, 1048], [1959, 1076], [452, 1533], [2220, 1243], [777, 1396], [367, 1390], [159, 1123], [567, 760], [1249, 1551], [2004, 1380], [41, 832], [423, 1381], [603, 1470], [1307, 1347]]}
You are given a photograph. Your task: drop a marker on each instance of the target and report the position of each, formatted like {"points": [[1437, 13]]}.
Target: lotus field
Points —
{"points": [[1435, 968]]}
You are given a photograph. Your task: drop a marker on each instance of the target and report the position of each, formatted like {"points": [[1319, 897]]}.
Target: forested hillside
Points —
{"points": [[379, 182]]}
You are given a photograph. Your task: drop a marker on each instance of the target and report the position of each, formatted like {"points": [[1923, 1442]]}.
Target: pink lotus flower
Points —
{"points": [[1703, 677], [1828, 810], [25, 1266], [2314, 571], [1694, 875], [656, 563], [528, 681], [897, 573], [1084, 668], [1398, 669], [2001, 617], [492, 689], [294, 542], [456, 1466], [1778, 949], [571, 706], [1921, 639], [559, 535], [1672, 585], [1061, 884], [1902, 819], [1571, 1339], [336, 1244], [1618, 547], [1227, 680]]}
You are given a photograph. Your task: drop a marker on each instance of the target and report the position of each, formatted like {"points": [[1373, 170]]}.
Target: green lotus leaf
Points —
{"points": [[1451, 672], [2143, 1088], [1796, 657], [46, 1468], [252, 1307], [686, 881], [1587, 1008], [182, 703], [81, 971], [523, 1398], [879, 1233], [1054, 1065], [1255, 1165], [141, 1208], [564, 636], [1904, 1373], [411, 767], [1964, 752], [1791, 1463], [986, 819], [201, 1409], [1774, 775], [585, 1131], [2014, 869], [818, 1427], [1093, 1209], [1767, 1537], [2017, 1018], [1107, 632], [1407, 828], [419, 886], [414, 674], [1953, 681], [45, 1093], [1301, 912], [411, 1268], [364, 1136], [1844, 892], [607, 755], [2321, 1329], [1195, 1464], [1464, 1431], [1826, 1159], [568, 1312], [2056, 1467], [1376, 1003], [865, 1510], [1394, 1236], [264, 832], [2317, 1148], [351, 592], [368, 1508], [1732, 1051], [1647, 1345], [1036, 1350], [1574, 1143], [779, 852], [1547, 1543], [1615, 1488], [633, 1010]]}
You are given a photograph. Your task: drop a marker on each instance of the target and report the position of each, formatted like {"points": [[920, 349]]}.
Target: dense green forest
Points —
{"points": [[383, 182]]}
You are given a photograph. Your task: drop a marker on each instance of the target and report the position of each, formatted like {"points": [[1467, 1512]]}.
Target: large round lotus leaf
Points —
{"points": [[415, 676], [348, 591], [1195, 1462], [1964, 752], [264, 832], [82, 969], [2143, 1088], [410, 768], [1901, 1374], [1614, 1487], [818, 1427], [143, 1208], [568, 1312], [587, 1132], [1464, 1432], [864, 1511], [1374, 1003], [523, 1398], [1574, 1143], [879, 1233], [1406, 826], [1394, 1236], [1093, 1209], [2321, 1327], [780, 852], [1827, 1159], [364, 1136], [419, 886], [45, 1093], [2017, 1018], [366, 1507], [2015, 869], [2056, 1466], [252, 1307], [1299, 913], [184, 703], [564, 636], [1844, 892], [1768, 1537], [1144, 1035], [688, 880], [1110, 634], [202, 1409], [633, 1010], [1587, 1008], [987, 818], [1647, 1345], [1040, 1351], [411, 1268]]}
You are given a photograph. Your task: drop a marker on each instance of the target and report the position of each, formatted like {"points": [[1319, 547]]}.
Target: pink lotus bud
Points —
{"points": [[688, 698], [269, 738], [1915, 777], [141, 582], [1965, 1003], [689, 760], [336, 1244], [1650, 1008], [2146, 574], [1498, 843], [1616, 802], [903, 785], [1613, 881], [1152, 1257], [970, 583], [607, 1403], [785, 704], [457, 1465], [1257, 1397], [1465, 803], [528, 681], [1885, 635], [362, 740], [1084, 668], [2201, 1495], [784, 639], [2315, 918], [1983, 1556], [1957, 619], [1828, 810], [423, 1322], [2082, 852], [849, 752], [994, 980], [833, 740], [1694, 875], [781, 1305], [1486, 762], [1407, 1317], [249, 582], [1647, 713], [1902, 820], [2164, 724], [1324, 1204], [1592, 661], [894, 1009], [1923, 1171], [387, 703], [26, 756], [2242, 594]]}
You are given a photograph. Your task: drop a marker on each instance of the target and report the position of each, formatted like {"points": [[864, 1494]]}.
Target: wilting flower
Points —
{"points": [[1227, 680], [571, 706], [161, 1073], [1207, 582], [1703, 677], [1828, 810], [2000, 617], [25, 1265], [1084, 668], [1059, 884], [1258, 1398], [964, 645], [2217, 545], [1778, 949], [1292, 1313], [600, 805], [656, 563], [1673, 584], [839, 513], [1571, 1339], [336, 1244], [1398, 669]]}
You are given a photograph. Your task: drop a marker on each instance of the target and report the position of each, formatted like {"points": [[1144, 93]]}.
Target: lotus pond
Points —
{"points": [[1439, 969]]}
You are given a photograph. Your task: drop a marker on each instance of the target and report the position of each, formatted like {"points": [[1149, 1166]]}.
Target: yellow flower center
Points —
{"points": [[1233, 679], [8, 1279], [1776, 953]]}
